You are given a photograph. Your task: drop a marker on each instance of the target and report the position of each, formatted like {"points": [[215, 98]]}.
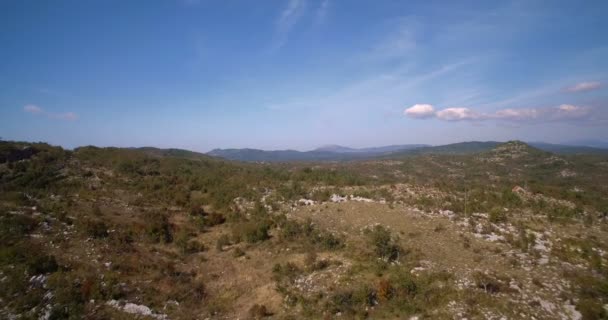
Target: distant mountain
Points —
{"points": [[174, 153], [483, 146], [256, 155], [341, 153], [593, 143], [453, 148], [568, 149], [383, 149], [335, 148], [325, 153]]}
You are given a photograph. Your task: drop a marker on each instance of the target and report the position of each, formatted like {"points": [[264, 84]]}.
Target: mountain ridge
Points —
{"points": [[342, 153]]}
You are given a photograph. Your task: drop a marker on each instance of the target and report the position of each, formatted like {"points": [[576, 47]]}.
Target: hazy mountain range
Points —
{"points": [[337, 152]]}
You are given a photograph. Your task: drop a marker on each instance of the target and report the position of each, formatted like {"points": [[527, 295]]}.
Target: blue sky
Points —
{"points": [[301, 73]]}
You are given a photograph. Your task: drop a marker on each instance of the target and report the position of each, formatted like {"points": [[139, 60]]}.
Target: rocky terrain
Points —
{"points": [[508, 233]]}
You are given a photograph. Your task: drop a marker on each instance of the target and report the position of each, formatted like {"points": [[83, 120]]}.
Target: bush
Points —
{"points": [[287, 271], [68, 296], [591, 309], [384, 247], [206, 219], [342, 301], [384, 290], [306, 233], [15, 226], [214, 219], [365, 295], [41, 264], [313, 264], [186, 244], [488, 283], [498, 215], [158, 228], [251, 231], [404, 285], [96, 229], [328, 241]]}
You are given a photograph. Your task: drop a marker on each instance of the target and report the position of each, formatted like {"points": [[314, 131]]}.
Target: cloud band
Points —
{"points": [[563, 112]]}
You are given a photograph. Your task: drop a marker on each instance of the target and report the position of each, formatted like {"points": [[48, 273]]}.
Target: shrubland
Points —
{"points": [[86, 233]]}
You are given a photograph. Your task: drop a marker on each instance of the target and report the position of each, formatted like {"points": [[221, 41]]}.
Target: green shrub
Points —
{"points": [[342, 301], [205, 219], [365, 296], [488, 283], [41, 264], [497, 215], [158, 228], [384, 246], [288, 271], [14, 227], [96, 229], [186, 244], [292, 230], [404, 285], [591, 309], [251, 231], [68, 296]]}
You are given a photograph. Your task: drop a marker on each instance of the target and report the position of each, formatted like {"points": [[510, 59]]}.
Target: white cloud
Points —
{"points": [[583, 86], [457, 114], [564, 112], [420, 111], [33, 109], [30, 108], [287, 20]]}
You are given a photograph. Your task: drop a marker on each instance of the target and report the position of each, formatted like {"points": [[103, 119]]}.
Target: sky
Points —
{"points": [[299, 74]]}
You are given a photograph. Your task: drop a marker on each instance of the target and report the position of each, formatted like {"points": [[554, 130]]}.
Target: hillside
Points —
{"points": [[104, 233]]}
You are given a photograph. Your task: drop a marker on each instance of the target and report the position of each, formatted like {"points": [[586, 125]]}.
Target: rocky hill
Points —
{"points": [[105, 233]]}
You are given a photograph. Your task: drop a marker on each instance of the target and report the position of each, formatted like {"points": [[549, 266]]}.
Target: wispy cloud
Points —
{"points": [[322, 10], [564, 112], [36, 110], [30, 108], [190, 2], [287, 20], [70, 116], [583, 87], [397, 43], [383, 89]]}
